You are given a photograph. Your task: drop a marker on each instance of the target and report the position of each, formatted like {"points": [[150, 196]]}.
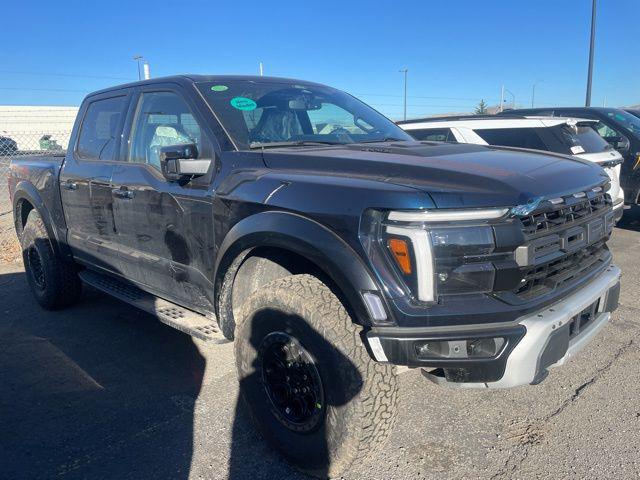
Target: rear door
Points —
{"points": [[164, 229], [85, 179]]}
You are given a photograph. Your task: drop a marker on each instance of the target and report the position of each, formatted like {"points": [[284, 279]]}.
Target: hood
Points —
{"points": [[454, 175]]}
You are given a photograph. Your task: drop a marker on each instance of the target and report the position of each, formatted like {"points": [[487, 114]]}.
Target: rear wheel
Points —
{"points": [[53, 280], [314, 392]]}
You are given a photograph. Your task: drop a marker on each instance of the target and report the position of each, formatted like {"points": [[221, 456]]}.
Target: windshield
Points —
{"points": [[577, 139], [630, 122], [259, 114]]}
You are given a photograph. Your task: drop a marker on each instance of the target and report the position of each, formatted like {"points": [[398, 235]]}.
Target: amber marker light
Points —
{"points": [[400, 251]]}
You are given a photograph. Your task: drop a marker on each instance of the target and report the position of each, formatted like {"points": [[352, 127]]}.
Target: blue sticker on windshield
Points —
{"points": [[243, 103]]}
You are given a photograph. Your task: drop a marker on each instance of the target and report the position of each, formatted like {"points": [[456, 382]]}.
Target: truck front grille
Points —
{"points": [[568, 210], [563, 271], [565, 242]]}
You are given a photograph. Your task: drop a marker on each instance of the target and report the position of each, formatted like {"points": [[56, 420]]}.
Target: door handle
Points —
{"points": [[69, 185], [123, 192]]}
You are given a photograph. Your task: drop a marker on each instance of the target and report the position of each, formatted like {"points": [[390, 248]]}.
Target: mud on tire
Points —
{"points": [[53, 281], [359, 396]]}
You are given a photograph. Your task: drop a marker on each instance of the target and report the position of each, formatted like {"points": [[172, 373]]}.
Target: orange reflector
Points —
{"points": [[400, 251]]}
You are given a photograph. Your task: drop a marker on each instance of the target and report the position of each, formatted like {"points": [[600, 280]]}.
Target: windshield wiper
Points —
{"points": [[291, 143], [385, 139]]}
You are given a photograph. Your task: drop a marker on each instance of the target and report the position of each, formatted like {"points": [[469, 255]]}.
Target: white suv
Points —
{"points": [[568, 136]]}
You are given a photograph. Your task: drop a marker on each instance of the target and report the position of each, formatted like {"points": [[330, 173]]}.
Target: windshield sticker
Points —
{"points": [[219, 88], [577, 149], [243, 103]]}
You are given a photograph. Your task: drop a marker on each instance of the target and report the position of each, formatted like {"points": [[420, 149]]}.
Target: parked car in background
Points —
{"points": [[618, 127], [633, 111], [567, 136], [8, 146]]}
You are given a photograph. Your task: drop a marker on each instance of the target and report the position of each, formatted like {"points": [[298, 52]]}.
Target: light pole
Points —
{"points": [[404, 70], [513, 98], [533, 91], [137, 58], [587, 102]]}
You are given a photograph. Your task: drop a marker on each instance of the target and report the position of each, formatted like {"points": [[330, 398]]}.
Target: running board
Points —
{"points": [[175, 316]]}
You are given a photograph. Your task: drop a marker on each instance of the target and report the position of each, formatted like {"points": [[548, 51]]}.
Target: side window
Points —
{"points": [[99, 129], [512, 137], [433, 134], [162, 119]]}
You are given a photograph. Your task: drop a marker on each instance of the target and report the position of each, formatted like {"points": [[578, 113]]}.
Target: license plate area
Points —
{"points": [[583, 319]]}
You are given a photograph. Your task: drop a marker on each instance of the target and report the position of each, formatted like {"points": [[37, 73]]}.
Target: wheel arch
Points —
{"points": [[25, 199], [298, 245]]}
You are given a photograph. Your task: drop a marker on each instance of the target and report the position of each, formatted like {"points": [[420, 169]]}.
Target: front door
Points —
{"points": [[85, 181], [164, 229]]}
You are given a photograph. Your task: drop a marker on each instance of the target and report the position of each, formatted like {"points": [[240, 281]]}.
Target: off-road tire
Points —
{"points": [[360, 394], [226, 321], [58, 285]]}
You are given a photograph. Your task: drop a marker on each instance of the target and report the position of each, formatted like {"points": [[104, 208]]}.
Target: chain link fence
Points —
{"points": [[14, 145]]}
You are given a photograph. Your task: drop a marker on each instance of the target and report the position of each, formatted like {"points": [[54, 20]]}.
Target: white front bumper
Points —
{"points": [[522, 364]]}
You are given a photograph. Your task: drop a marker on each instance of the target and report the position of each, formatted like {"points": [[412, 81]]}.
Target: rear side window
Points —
{"points": [[512, 137], [433, 134], [99, 130], [578, 139]]}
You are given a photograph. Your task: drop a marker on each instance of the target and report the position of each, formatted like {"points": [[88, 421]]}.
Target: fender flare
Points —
{"points": [[26, 191], [309, 239]]}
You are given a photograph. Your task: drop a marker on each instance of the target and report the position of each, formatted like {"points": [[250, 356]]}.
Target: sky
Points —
{"points": [[456, 52]]}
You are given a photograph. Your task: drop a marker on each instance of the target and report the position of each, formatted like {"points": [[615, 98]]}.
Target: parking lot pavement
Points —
{"points": [[103, 391]]}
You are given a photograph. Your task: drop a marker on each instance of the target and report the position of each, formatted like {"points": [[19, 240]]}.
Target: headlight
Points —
{"points": [[441, 252]]}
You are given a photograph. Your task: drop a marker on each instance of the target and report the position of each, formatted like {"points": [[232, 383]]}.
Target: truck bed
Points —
{"points": [[42, 172]]}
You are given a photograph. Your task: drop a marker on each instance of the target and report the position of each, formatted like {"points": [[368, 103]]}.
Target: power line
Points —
{"points": [[425, 97], [43, 89], [77, 75], [421, 105]]}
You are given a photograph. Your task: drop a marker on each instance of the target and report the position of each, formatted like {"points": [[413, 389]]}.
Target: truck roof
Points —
{"points": [[187, 79]]}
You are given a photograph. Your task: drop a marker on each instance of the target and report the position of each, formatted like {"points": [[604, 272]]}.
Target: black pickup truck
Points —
{"points": [[331, 247]]}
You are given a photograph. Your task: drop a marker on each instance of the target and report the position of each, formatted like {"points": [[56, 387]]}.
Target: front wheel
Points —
{"points": [[314, 392]]}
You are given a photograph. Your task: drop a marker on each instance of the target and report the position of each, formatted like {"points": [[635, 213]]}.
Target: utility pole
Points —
{"points": [[502, 98], [404, 70], [533, 91], [587, 102], [513, 98], [146, 70], [137, 58], [261, 73]]}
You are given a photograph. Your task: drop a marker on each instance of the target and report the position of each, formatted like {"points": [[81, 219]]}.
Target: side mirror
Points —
{"points": [[181, 161]]}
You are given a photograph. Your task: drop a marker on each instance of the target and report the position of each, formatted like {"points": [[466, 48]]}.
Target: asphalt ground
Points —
{"points": [[104, 391]]}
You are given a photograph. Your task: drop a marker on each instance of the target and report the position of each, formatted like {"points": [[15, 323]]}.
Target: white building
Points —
{"points": [[28, 124]]}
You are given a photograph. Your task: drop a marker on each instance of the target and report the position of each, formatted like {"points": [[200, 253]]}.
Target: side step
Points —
{"points": [[175, 316]]}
